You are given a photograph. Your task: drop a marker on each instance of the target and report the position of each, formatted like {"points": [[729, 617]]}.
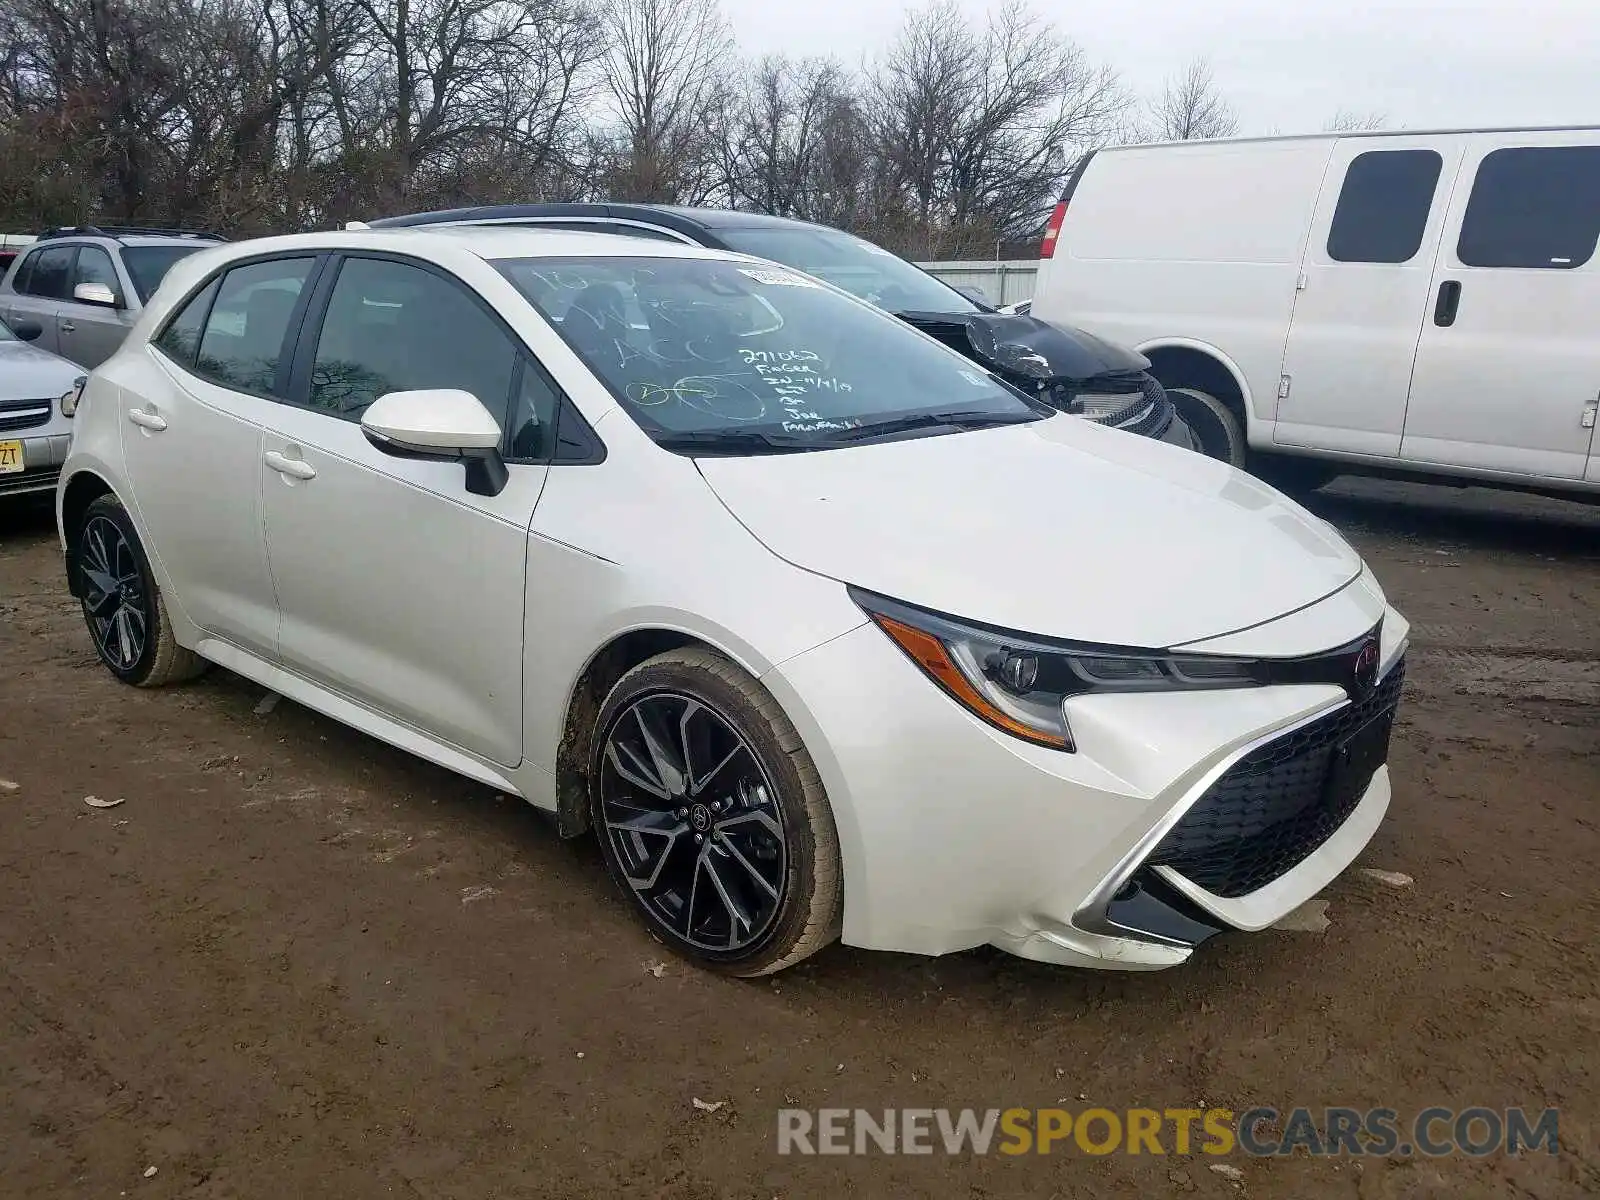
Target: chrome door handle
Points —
{"points": [[147, 420], [68, 327], [295, 468]]}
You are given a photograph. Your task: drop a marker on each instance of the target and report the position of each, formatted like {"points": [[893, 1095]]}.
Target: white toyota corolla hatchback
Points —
{"points": [[822, 630]]}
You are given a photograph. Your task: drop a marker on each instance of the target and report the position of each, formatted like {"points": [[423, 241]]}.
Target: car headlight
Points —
{"points": [[1021, 684]]}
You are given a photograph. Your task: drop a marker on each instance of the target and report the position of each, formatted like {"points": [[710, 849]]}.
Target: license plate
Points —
{"points": [[1360, 755], [10, 458]]}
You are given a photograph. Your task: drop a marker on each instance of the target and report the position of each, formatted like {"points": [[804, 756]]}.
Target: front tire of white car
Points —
{"points": [[1213, 424], [712, 816]]}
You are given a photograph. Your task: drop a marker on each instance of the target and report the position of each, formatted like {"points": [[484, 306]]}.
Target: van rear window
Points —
{"points": [[1383, 206]]}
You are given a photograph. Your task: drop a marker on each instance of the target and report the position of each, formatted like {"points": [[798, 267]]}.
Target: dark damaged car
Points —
{"points": [[1071, 370]]}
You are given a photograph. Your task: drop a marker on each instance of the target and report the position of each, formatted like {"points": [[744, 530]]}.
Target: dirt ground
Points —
{"points": [[297, 963]]}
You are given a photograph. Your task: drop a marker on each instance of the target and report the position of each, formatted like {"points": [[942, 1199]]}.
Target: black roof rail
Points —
{"points": [[120, 231]]}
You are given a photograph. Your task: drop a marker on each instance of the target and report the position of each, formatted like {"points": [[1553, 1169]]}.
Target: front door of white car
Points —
{"points": [[1508, 366], [397, 587], [1364, 291], [193, 448]]}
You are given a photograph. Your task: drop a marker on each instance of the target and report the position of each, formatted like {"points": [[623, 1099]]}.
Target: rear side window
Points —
{"points": [[51, 270], [20, 283], [1383, 206], [180, 340], [244, 334], [1533, 206]]}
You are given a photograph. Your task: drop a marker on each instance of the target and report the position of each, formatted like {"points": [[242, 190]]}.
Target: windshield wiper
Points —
{"points": [[962, 419], [733, 442]]}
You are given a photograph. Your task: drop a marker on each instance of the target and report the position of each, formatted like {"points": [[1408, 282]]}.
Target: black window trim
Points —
{"points": [[308, 332], [291, 330]]}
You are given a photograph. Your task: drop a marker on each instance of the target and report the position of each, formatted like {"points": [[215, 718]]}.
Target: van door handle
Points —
{"points": [[68, 327], [147, 419], [295, 468], [1444, 309]]}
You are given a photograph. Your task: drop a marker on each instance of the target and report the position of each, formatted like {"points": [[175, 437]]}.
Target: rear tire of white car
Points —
{"points": [[122, 604], [712, 816], [1213, 424]]}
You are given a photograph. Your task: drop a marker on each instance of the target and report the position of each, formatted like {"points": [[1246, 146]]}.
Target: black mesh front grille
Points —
{"points": [[24, 414], [1274, 807]]}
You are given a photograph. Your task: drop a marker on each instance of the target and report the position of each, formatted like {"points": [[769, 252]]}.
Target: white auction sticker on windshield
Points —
{"points": [[776, 278]]}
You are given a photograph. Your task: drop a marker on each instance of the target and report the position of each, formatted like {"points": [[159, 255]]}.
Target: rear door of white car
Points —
{"points": [[397, 587], [191, 440], [1508, 366]]}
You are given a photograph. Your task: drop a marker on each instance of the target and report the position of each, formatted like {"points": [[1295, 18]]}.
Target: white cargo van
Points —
{"points": [[1420, 302]]}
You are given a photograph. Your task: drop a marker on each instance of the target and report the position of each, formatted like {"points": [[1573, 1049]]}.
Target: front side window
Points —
{"points": [[1533, 206], [95, 266], [243, 342], [393, 327], [702, 351], [1383, 206], [851, 263], [51, 270]]}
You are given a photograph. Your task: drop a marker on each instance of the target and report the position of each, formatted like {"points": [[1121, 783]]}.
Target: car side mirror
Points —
{"points": [[442, 425], [95, 293], [26, 331]]}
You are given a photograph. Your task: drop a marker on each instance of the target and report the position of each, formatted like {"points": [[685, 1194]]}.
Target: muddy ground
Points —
{"points": [[297, 963]]}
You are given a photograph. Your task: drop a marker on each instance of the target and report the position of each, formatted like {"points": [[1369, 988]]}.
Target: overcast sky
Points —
{"points": [[1286, 67]]}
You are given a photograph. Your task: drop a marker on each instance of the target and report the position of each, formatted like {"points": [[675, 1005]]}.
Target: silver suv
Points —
{"points": [[85, 286]]}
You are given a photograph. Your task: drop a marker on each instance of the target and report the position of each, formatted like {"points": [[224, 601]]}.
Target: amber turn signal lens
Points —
{"points": [[929, 653]]}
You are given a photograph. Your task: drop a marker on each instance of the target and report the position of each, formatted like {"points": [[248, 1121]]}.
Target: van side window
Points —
{"points": [[1533, 206], [1383, 206]]}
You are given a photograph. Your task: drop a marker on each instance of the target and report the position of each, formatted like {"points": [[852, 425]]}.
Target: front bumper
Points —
{"points": [[42, 456], [955, 834]]}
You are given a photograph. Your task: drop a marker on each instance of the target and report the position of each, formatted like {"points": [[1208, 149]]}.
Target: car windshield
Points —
{"points": [[734, 357], [849, 262], [148, 265]]}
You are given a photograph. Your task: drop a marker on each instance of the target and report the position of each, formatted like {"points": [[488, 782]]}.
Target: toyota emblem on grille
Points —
{"points": [[1364, 670]]}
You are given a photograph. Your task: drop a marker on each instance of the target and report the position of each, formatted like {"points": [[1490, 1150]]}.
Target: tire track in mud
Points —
{"points": [[1442, 664]]}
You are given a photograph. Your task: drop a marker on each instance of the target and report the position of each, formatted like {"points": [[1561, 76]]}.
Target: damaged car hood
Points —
{"points": [[1028, 348]]}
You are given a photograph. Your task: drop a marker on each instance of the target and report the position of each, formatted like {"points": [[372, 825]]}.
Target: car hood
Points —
{"points": [[1057, 528], [1024, 345], [28, 373]]}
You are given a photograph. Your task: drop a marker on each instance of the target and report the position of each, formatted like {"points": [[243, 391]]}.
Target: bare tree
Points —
{"points": [[792, 135], [976, 128], [664, 78], [1190, 108], [1349, 121]]}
